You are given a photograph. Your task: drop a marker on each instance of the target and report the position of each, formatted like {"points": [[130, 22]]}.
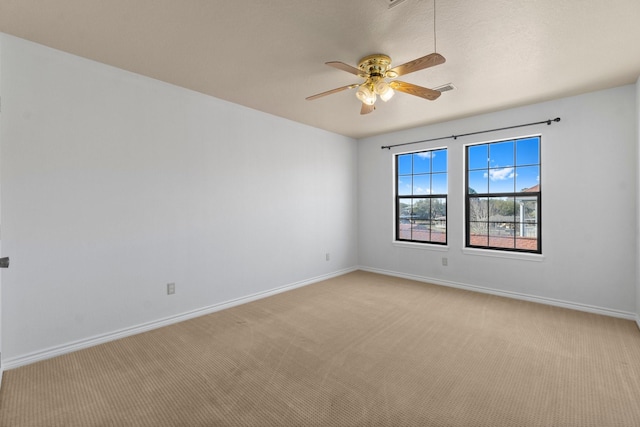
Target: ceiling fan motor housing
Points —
{"points": [[374, 65]]}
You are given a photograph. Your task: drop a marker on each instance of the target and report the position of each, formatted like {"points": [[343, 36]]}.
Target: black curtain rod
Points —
{"points": [[548, 122]]}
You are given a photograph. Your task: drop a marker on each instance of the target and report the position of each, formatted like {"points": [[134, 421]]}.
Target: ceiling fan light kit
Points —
{"points": [[383, 89], [366, 95]]}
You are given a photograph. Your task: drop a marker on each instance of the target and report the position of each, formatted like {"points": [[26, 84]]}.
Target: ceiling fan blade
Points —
{"points": [[344, 67], [329, 92], [366, 109], [418, 64], [412, 89]]}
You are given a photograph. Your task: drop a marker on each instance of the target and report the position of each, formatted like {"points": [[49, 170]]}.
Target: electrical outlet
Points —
{"points": [[171, 288], [445, 261]]}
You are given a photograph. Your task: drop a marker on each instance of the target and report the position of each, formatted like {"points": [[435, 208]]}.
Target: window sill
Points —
{"points": [[503, 254], [422, 246]]}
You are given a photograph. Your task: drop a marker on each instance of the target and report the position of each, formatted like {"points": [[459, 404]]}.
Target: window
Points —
{"points": [[421, 197], [503, 195]]}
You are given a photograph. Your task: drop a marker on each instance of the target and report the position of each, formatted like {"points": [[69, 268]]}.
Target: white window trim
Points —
{"points": [[492, 253], [420, 246]]}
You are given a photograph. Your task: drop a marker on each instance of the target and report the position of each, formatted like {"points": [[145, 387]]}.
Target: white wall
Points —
{"points": [[1, 364], [589, 193], [114, 184], [638, 203]]}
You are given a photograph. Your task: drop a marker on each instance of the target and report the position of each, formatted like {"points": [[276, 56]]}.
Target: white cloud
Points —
{"points": [[420, 190], [500, 174], [426, 154]]}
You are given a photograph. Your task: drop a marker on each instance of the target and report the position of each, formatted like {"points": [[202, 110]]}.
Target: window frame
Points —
{"points": [[535, 196], [399, 197]]}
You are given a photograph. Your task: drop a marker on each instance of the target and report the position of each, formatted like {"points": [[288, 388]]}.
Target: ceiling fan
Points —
{"points": [[375, 69]]}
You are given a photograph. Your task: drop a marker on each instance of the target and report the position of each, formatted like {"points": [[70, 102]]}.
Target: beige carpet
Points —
{"points": [[358, 350]]}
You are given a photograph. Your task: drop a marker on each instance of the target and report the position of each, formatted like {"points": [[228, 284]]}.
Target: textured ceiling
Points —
{"points": [[269, 54]]}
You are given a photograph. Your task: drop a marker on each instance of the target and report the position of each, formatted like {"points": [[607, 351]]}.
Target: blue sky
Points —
{"points": [[501, 167], [429, 169]]}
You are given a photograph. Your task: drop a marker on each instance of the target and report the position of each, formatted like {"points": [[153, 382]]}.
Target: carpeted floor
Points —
{"points": [[358, 350]]}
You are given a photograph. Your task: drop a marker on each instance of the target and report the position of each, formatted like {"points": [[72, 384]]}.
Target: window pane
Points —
{"points": [[439, 231], [527, 209], [527, 243], [479, 209], [501, 209], [439, 161], [439, 183], [478, 234], [501, 154], [422, 162], [420, 220], [528, 178], [404, 229], [404, 217], [501, 180], [404, 209], [404, 164], [478, 182], [527, 230], [478, 157], [526, 227], [421, 209], [420, 232], [438, 223], [438, 209], [527, 236], [528, 152], [405, 185], [421, 185], [501, 236]]}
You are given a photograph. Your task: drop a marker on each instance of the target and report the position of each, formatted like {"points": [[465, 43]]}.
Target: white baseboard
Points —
{"points": [[638, 319], [48, 353], [514, 295]]}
